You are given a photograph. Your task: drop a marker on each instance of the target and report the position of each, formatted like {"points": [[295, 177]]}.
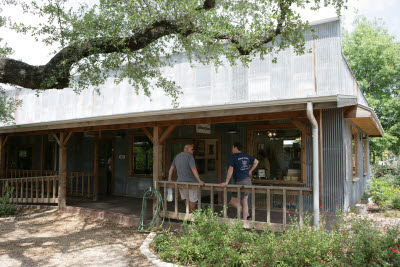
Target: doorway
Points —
{"points": [[106, 166]]}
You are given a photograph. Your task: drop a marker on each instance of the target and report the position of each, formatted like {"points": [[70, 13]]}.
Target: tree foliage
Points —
{"points": [[134, 39], [7, 105], [374, 57]]}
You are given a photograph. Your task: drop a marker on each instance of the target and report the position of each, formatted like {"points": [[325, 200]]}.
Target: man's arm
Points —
{"points": [[228, 176], [196, 174], [255, 163], [171, 171]]}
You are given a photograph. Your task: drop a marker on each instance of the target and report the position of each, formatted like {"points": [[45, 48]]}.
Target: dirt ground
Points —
{"points": [[61, 239]]}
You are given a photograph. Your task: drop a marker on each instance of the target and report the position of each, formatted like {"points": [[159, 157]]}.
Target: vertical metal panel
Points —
{"points": [[334, 159]]}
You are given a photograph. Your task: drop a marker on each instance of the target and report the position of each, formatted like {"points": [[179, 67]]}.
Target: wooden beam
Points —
{"points": [[299, 124], [356, 112], [303, 158], [167, 133], [57, 140], [148, 134], [4, 141], [96, 167], [188, 119], [156, 154], [62, 186], [67, 138], [156, 165], [161, 130], [271, 126]]}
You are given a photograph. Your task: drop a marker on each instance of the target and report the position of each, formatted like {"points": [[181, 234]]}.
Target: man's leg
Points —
{"points": [[193, 198], [234, 202], [192, 206], [245, 207]]}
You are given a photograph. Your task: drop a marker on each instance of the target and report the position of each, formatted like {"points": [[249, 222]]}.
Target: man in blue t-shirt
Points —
{"points": [[239, 167]]}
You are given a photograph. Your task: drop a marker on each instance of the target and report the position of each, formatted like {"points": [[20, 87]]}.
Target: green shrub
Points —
{"points": [[396, 202], [389, 173], [381, 192], [392, 179], [7, 208], [353, 241]]}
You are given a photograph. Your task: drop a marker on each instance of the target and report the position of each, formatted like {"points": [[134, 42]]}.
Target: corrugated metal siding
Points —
{"points": [[290, 78], [333, 159], [354, 190]]}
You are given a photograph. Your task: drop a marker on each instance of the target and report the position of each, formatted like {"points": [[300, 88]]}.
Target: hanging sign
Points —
{"points": [[203, 128]]}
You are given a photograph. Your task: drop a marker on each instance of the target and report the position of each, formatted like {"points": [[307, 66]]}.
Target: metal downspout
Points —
{"points": [[314, 124]]}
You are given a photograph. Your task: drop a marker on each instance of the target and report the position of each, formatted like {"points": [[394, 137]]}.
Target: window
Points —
{"points": [[354, 152], [281, 154], [141, 156], [21, 158]]}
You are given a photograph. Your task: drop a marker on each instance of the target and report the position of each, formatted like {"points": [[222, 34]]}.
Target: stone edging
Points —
{"points": [[28, 215], [144, 249]]}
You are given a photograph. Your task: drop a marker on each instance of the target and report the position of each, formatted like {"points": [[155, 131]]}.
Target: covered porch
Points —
{"points": [[141, 152]]}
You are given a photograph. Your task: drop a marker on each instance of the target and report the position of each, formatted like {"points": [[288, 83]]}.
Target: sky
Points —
{"points": [[36, 53]]}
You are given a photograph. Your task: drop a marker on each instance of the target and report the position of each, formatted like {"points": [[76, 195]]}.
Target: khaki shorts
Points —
{"points": [[245, 181], [192, 194]]}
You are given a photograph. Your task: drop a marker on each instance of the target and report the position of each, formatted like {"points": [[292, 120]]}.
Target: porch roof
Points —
{"points": [[256, 111], [365, 118]]}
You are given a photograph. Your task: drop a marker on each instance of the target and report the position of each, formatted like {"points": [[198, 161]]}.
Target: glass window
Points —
{"points": [[142, 155], [279, 154]]}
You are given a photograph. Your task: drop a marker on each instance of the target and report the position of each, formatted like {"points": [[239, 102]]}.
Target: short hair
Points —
{"points": [[238, 146], [187, 146]]}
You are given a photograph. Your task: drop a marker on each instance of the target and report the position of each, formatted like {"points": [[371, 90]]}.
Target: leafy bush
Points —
{"points": [[353, 241], [381, 192], [7, 208], [396, 202], [389, 173]]}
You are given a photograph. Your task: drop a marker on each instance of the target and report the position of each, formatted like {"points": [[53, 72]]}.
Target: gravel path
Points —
{"points": [[61, 239]]}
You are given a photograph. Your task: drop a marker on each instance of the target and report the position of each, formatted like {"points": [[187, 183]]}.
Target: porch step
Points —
{"points": [[116, 217], [120, 218]]}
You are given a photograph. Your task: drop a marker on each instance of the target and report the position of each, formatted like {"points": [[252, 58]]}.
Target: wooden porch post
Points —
{"points": [[156, 155], [62, 167], [3, 141], [96, 167], [62, 186], [156, 165]]}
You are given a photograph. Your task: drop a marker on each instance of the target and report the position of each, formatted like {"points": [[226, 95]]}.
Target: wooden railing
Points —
{"points": [[32, 189], [42, 186], [269, 216], [15, 173], [80, 184]]}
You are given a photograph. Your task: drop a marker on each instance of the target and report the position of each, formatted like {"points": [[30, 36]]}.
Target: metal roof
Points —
{"points": [[322, 73]]}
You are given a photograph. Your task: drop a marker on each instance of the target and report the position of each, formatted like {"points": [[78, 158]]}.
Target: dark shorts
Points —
{"points": [[245, 181]]}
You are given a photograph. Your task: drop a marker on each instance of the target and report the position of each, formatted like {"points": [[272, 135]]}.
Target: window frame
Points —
{"points": [[366, 155], [355, 171], [131, 167]]}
